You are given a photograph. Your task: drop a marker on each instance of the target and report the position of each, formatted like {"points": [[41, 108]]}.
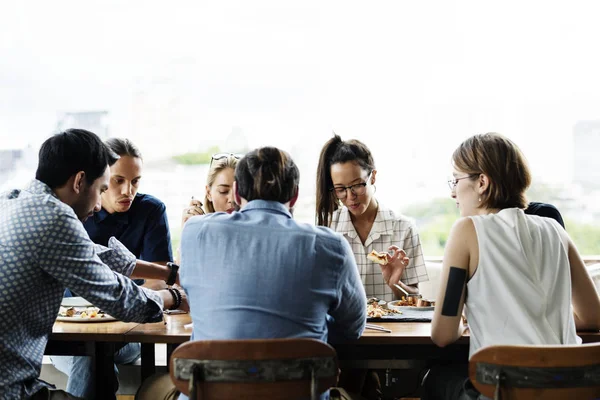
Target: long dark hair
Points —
{"points": [[337, 151], [267, 173]]}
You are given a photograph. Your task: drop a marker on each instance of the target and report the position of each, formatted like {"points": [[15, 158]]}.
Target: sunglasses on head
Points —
{"points": [[220, 156]]}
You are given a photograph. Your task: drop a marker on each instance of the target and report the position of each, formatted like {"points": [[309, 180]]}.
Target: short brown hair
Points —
{"points": [[504, 164], [267, 173]]}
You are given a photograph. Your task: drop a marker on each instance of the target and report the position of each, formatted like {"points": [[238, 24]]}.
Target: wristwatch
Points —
{"points": [[173, 274]]}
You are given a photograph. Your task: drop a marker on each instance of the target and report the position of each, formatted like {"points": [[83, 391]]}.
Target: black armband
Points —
{"points": [[454, 290]]}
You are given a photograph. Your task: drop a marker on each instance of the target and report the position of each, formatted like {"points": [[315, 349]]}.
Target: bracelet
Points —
{"points": [[173, 274], [177, 298]]}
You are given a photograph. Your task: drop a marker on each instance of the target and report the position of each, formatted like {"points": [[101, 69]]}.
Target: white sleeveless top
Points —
{"points": [[520, 293]]}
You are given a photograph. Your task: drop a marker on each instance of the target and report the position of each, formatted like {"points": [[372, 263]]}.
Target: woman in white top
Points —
{"points": [[346, 203], [517, 274]]}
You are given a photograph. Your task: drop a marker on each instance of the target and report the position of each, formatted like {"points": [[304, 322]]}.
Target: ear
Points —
{"points": [[294, 198], [208, 196], [236, 195], [373, 174], [484, 183], [79, 182]]}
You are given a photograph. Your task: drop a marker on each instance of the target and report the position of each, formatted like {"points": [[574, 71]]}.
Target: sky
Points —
{"points": [[410, 79]]}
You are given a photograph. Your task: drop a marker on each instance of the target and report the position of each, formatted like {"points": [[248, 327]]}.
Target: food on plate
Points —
{"points": [[377, 257], [81, 312], [425, 303], [375, 310], [407, 301], [413, 301]]}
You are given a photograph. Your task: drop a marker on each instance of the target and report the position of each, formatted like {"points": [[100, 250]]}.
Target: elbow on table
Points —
{"points": [[441, 340]]}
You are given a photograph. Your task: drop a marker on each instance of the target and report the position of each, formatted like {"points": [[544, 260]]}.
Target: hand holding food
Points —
{"points": [[394, 268], [377, 257], [195, 208]]}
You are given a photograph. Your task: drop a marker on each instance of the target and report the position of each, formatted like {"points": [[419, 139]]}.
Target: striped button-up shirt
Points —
{"points": [[388, 229]]}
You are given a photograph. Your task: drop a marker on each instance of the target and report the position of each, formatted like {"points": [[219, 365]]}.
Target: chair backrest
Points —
{"points": [[254, 369], [537, 372]]}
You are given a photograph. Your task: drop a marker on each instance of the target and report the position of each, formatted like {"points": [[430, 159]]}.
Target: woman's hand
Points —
{"points": [[195, 208], [396, 263]]}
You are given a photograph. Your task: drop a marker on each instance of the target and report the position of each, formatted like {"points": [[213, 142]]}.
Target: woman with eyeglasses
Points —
{"points": [[219, 187], [346, 203], [519, 277]]}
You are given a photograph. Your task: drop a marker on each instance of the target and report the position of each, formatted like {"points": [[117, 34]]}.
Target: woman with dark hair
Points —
{"points": [[257, 273], [139, 222], [346, 203], [518, 276]]}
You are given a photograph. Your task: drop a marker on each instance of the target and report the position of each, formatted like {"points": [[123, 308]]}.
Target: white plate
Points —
{"points": [[76, 318], [75, 302], [392, 305], [106, 318]]}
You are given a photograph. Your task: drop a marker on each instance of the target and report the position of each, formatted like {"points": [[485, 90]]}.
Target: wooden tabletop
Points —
{"points": [[402, 332], [173, 331], [113, 331]]}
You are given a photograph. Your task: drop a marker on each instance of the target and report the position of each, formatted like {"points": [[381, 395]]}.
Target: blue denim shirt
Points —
{"points": [[43, 248], [258, 273]]}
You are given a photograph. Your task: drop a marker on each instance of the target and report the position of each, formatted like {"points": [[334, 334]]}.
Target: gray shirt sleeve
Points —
{"points": [[68, 255]]}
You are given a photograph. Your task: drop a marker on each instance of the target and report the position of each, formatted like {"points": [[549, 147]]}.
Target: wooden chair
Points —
{"points": [[537, 372], [254, 369]]}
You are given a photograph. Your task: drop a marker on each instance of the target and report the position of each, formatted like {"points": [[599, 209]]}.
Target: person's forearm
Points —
{"points": [[167, 298], [582, 326], [412, 289], [147, 270], [155, 284]]}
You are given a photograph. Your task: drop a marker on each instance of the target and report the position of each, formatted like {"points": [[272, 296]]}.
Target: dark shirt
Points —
{"points": [[143, 229], [545, 210]]}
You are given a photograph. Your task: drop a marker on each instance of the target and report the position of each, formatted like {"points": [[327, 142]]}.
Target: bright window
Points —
{"points": [[410, 79]]}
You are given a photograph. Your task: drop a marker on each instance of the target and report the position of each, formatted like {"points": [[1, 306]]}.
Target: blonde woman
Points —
{"points": [[219, 187]]}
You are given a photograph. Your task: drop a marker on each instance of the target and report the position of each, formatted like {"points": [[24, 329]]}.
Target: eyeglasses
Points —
{"points": [[454, 181], [341, 192], [220, 156]]}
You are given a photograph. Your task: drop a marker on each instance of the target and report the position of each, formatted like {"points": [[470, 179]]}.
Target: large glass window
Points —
{"points": [[410, 79]]}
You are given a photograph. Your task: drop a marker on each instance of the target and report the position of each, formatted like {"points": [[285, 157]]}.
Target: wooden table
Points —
{"points": [[98, 340], [407, 341]]}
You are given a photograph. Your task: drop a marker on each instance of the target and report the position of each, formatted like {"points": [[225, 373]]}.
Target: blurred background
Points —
{"points": [[412, 80]]}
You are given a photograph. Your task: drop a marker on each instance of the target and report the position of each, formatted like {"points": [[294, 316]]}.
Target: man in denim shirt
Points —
{"points": [[44, 248], [258, 273]]}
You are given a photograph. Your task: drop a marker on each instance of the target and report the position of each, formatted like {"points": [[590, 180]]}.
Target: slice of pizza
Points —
{"points": [[376, 257]]}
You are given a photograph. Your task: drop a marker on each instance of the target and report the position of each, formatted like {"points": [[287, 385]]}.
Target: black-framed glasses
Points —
{"points": [[220, 156], [452, 182], [341, 192]]}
